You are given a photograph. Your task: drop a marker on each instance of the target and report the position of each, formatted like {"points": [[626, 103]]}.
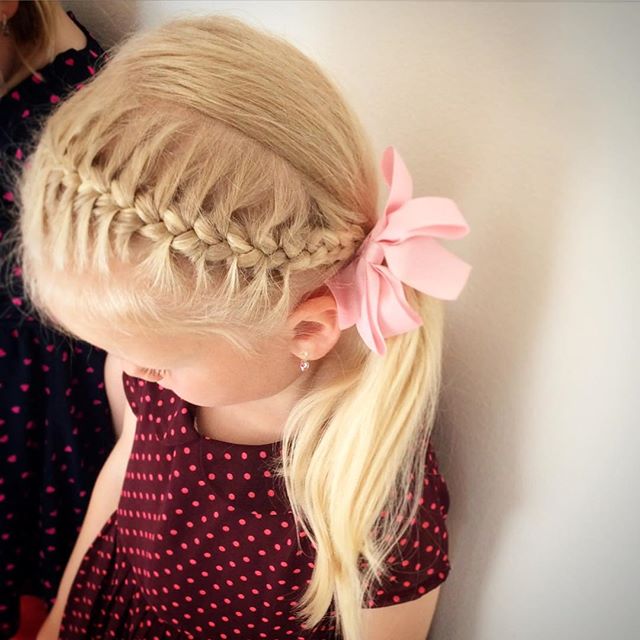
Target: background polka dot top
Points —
{"points": [[203, 543], [55, 421]]}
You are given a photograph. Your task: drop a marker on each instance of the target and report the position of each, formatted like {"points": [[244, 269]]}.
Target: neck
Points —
{"points": [[66, 35], [260, 421]]}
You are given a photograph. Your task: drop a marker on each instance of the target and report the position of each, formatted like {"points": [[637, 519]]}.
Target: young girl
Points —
{"points": [[205, 210]]}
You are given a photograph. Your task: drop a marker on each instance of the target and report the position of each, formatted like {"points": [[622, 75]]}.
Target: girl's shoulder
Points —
{"points": [[71, 67], [420, 560]]}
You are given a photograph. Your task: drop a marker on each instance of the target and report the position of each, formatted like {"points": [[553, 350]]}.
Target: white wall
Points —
{"points": [[526, 114]]}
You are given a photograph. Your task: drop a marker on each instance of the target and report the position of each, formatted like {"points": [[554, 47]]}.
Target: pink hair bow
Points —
{"points": [[370, 294]]}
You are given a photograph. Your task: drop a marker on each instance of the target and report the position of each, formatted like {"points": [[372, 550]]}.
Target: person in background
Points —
{"points": [[56, 426]]}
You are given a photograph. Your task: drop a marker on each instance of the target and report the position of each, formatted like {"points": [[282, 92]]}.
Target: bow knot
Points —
{"points": [[372, 252], [370, 294]]}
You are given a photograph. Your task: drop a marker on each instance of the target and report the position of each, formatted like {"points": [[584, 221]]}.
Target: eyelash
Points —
{"points": [[157, 373]]}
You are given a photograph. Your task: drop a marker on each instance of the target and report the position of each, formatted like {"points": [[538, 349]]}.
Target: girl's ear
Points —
{"points": [[314, 325]]}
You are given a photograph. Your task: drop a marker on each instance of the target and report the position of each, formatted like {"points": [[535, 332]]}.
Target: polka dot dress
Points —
{"points": [[55, 424], [203, 543]]}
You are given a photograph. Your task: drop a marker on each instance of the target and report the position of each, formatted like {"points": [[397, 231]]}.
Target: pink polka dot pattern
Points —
{"points": [[203, 543], [55, 423]]}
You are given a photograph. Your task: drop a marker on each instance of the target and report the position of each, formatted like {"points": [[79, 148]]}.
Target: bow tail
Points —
{"points": [[385, 311]]}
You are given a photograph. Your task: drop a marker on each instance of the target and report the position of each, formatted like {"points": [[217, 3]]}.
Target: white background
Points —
{"points": [[527, 115]]}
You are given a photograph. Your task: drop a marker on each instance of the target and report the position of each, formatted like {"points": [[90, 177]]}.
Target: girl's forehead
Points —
{"points": [[80, 306], [142, 346]]}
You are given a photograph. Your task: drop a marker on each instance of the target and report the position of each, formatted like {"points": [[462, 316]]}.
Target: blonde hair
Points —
{"points": [[231, 179]]}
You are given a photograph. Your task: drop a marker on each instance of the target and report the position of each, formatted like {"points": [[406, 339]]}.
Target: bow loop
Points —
{"points": [[398, 179], [370, 294]]}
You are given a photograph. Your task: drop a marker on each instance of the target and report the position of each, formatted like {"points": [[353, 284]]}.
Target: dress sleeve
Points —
{"points": [[132, 387], [420, 560]]}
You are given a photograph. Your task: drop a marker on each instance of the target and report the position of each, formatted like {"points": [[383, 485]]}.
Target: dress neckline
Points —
{"points": [[181, 419], [191, 408]]}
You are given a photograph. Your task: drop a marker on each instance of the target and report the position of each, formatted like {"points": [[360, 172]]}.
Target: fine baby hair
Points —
{"points": [[229, 185]]}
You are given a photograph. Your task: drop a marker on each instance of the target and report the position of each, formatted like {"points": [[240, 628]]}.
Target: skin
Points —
{"points": [[241, 399], [67, 35]]}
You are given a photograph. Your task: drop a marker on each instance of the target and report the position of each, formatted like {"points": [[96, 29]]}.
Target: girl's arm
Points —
{"points": [[115, 393], [104, 501], [407, 621]]}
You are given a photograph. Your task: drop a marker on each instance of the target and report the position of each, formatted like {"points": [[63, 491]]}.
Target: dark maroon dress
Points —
{"points": [[203, 544], [55, 422]]}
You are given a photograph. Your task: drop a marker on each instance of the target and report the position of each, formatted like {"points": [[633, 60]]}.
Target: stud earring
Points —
{"points": [[304, 363]]}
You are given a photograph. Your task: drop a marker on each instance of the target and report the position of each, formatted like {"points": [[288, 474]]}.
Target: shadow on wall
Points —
{"points": [[501, 152], [108, 22]]}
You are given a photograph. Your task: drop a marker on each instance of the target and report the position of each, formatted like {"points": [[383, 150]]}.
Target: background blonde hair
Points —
{"points": [[222, 169], [32, 28]]}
